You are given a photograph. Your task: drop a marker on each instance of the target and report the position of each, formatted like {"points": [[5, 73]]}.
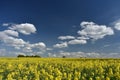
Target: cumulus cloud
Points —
{"points": [[85, 23], [89, 31], [117, 25], [76, 41], [24, 28], [38, 45], [5, 24], [93, 54], [30, 47], [66, 37], [3, 36], [52, 55], [61, 45], [14, 42], [76, 54], [113, 55], [94, 31], [62, 53], [10, 38], [49, 49], [11, 33], [83, 38], [27, 49]]}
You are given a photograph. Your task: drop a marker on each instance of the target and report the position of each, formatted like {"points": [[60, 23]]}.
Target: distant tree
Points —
{"points": [[29, 56], [20, 55], [37, 56], [26, 56], [63, 56]]}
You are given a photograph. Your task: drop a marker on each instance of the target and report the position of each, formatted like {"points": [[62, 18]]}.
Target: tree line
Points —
{"points": [[20, 55]]}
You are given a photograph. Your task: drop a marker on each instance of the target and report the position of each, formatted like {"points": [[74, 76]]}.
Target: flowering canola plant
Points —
{"points": [[59, 69]]}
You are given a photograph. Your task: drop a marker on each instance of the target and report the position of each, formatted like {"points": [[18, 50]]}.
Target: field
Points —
{"points": [[59, 69]]}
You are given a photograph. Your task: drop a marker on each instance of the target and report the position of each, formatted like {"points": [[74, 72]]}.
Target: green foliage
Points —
{"points": [[28, 56]]}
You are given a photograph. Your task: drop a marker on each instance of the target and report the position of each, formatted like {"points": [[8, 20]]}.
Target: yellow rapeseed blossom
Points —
{"points": [[59, 69]]}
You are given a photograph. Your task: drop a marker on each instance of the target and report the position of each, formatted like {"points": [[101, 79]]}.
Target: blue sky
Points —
{"points": [[74, 28]]}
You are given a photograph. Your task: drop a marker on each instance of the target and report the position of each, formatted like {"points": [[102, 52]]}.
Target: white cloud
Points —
{"points": [[62, 53], [76, 41], [93, 54], [66, 37], [61, 45], [94, 31], [76, 54], [25, 47], [24, 28], [112, 55], [117, 25], [28, 46], [11, 38], [49, 49], [11, 33], [3, 36], [5, 24], [83, 38], [38, 45], [89, 31], [7, 33], [15, 42], [20, 44], [84, 24]]}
